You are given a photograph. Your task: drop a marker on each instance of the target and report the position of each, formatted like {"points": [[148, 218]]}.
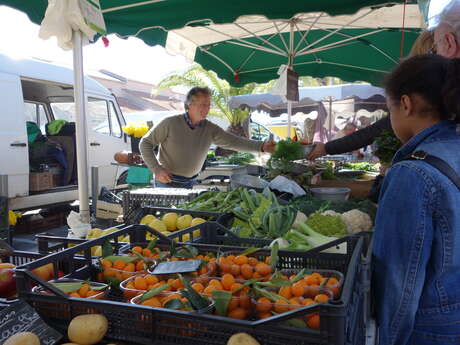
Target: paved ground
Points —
{"points": [[27, 242]]}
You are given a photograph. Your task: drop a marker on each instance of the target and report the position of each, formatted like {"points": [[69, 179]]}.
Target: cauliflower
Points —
{"points": [[357, 221]]}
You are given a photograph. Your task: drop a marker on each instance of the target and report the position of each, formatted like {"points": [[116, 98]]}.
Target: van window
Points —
{"points": [[101, 114], [36, 113], [98, 114], [64, 111], [114, 122]]}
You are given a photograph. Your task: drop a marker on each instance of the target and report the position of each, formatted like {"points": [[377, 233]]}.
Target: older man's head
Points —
{"points": [[447, 31]]}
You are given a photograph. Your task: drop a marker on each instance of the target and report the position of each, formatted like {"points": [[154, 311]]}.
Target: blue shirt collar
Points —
{"points": [[417, 139]]}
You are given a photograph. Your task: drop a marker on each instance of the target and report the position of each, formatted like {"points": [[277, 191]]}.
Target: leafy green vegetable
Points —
{"points": [[308, 205], [125, 259], [363, 166], [260, 211], [221, 300], [241, 228], [387, 145], [327, 225], [328, 173], [288, 150], [315, 239], [175, 304], [239, 159], [67, 287], [107, 249], [197, 301], [153, 292]]}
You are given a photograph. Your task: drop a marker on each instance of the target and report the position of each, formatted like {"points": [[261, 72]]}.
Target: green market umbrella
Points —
{"points": [[363, 46], [246, 41], [193, 28], [150, 20], [360, 47]]}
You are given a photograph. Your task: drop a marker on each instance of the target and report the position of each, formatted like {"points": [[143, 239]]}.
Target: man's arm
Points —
{"points": [[358, 139], [230, 141], [152, 139]]}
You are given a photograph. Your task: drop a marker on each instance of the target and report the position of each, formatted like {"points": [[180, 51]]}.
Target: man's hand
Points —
{"points": [[269, 146], [318, 151], [163, 175]]}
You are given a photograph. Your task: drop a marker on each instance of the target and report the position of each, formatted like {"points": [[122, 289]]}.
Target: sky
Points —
{"points": [[130, 58]]}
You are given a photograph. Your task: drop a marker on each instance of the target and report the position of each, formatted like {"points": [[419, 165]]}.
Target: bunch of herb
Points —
{"points": [[288, 150], [387, 145], [329, 172]]}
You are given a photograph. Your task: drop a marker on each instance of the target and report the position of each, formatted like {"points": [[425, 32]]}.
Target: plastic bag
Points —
{"points": [[76, 227], [284, 184], [61, 18]]}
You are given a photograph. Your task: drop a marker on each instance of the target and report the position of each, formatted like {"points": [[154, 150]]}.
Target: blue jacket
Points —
{"points": [[416, 251]]}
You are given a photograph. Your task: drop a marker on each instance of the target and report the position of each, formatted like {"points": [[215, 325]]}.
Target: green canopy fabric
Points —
{"points": [[247, 41], [359, 60], [150, 20]]}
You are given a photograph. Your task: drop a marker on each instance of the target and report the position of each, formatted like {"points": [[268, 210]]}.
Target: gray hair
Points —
{"points": [[450, 15], [195, 91]]}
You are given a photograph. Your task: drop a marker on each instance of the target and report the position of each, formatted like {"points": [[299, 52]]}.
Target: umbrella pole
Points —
{"points": [[80, 124], [330, 118], [291, 63], [289, 119]]}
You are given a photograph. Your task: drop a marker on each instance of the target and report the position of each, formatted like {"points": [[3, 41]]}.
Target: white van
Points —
{"points": [[38, 92]]}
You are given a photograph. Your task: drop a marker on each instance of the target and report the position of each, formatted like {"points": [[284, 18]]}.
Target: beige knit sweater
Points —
{"points": [[183, 150]]}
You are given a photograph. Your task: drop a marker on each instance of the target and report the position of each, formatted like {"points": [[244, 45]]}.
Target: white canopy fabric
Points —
{"points": [[187, 40], [308, 96]]}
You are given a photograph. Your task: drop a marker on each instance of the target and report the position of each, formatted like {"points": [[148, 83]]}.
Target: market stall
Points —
{"points": [[227, 267]]}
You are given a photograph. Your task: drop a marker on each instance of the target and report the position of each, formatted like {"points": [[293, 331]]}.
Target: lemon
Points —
{"points": [[170, 219], [149, 236], [184, 222], [186, 238], [96, 251], [158, 225], [147, 219], [94, 233], [196, 221], [110, 230], [123, 238]]}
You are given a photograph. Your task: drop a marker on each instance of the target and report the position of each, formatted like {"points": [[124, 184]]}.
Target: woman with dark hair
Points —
{"points": [[416, 249]]}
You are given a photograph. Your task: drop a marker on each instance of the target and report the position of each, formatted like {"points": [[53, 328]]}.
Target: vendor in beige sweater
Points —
{"points": [[184, 141]]}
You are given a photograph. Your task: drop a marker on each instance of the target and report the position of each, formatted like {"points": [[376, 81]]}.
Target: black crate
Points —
{"points": [[18, 258], [144, 325], [136, 216], [48, 244], [158, 197], [217, 234], [226, 237], [366, 274]]}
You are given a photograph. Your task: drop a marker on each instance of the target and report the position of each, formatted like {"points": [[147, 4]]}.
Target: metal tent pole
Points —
{"points": [[330, 118], [290, 64], [80, 124]]}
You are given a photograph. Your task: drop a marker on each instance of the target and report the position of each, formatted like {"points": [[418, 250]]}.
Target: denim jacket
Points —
{"points": [[416, 253]]}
